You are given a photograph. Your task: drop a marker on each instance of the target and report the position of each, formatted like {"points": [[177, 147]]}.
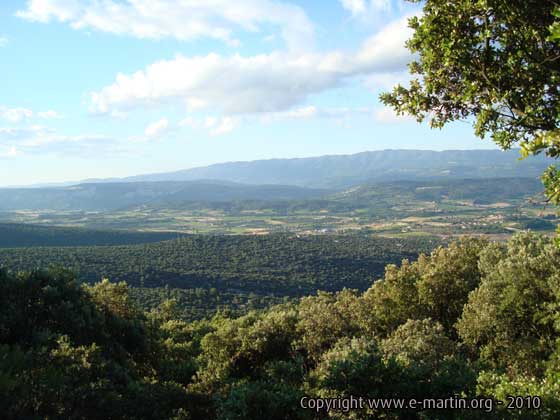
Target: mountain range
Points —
{"points": [[289, 179], [341, 171]]}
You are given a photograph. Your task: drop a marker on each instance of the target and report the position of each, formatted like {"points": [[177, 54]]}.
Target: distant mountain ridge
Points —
{"points": [[123, 195], [341, 171]]}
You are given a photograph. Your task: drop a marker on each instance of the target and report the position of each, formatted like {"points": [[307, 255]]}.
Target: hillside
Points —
{"points": [[222, 195], [341, 171], [482, 191], [114, 196]]}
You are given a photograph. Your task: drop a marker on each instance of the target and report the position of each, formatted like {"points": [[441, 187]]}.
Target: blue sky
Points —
{"points": [[123, 87]]}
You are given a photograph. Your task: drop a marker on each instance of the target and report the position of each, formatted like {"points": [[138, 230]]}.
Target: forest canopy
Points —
{"points": [[474, 318]]}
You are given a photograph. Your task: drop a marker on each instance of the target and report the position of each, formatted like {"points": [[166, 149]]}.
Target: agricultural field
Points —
{"points": [[437, 208]]}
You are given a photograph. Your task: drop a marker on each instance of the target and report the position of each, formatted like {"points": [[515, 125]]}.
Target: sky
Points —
{"points": [[110, 88]]}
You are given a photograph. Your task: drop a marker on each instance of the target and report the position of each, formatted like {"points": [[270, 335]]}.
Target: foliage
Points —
{"points": [[435, 286], [71, 350], [237, 273], [509, 319], [66, 353], [495, 61]]}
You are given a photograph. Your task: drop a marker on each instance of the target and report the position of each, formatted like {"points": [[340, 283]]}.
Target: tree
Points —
{"points": [[448, 276], [393, 300], [435, 286], [497, 61], [510, 318], [431, 363], [422, 344], [324, 319], [70, 351], [354, 367]]}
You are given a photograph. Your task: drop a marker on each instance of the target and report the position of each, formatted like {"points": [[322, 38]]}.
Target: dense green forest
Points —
{"points": [[269, 267], [472, 319], [17, 235]]}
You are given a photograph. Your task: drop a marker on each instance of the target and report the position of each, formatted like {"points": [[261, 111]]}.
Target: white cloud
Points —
{"points": [[387, 46], [381, 5], [301, 113], [188, 122], [157, 129], [37, 139], [216, 126], [180, 19], [388, 116], [309, 112], [224, 125], [356, 7], [3, 41], [361, 8], [49, 115], [210, 122], [387, 81], [15, 115], [19, 114], [256, 84], [269, 38]]}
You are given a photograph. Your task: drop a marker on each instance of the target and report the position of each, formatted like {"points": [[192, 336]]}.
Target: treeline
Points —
{"points": [[17, 235], [473, 319], [283, 265]]}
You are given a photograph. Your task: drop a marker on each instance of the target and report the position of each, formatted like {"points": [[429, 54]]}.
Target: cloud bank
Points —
{"points": [[37, 139], [184, 20], [19, 114], [264, 83]]}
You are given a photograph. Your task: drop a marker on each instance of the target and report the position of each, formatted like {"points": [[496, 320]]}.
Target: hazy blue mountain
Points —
{"points": [[278, 179], [341, 171], [113, 196]]}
